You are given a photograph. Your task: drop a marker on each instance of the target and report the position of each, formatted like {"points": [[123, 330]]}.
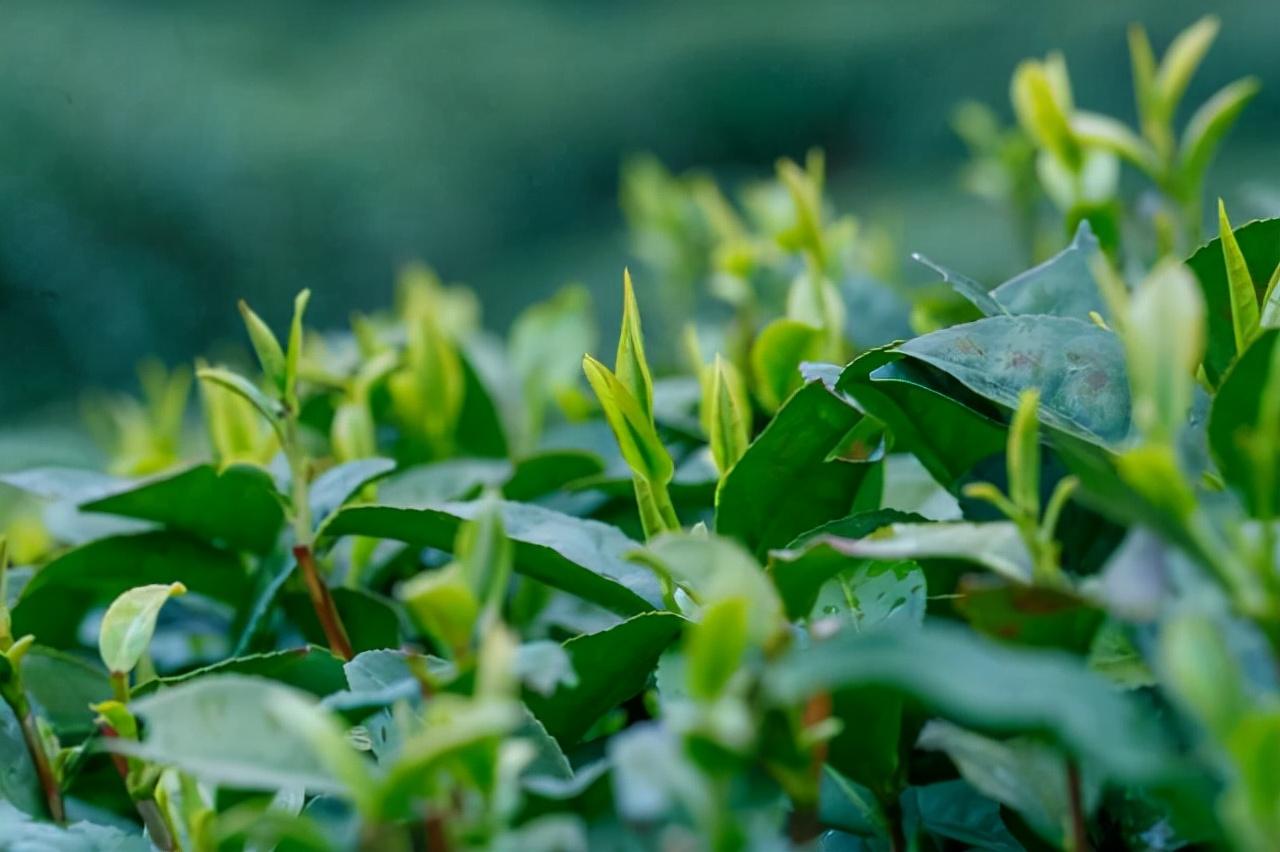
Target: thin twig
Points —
{"points": [[335, 631], [152, 817], [1079, 827], [48, 781]]}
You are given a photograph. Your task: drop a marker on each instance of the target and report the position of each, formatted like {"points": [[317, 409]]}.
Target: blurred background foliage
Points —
{"points": [[159, 161]]}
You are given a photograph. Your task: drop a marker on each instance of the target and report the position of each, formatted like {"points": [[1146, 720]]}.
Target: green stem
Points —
{"points": [[120, 686], [657, 513], [157, 826]]}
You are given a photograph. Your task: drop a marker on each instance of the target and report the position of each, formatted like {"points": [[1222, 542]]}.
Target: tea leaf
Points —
{"points": [[632, 427], [1078, 367], [1259, 244], [337, 485], [294, 351], [776, 356], [1240, 286], [237, 505], [1164, 341], [244, 389], [755, 501], [1182, 59], [237, 730], [727, 415], [129, 623], [991, 688], [62, 593], [265, 346], [1209, 124], [585, 558], [612, 666], [996, 545], [1062, 286], [1243, 423], [630, 366]]}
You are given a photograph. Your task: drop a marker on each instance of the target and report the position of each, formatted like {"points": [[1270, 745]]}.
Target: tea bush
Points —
{"points": [[864, 567]]}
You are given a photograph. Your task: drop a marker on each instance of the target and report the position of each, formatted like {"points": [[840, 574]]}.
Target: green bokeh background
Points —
{"points": [[159, 160]]}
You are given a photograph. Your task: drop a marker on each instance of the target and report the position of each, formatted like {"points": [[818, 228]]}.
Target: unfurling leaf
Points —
{"points": [[1209, 124], [294, 351], [635, 432], [1164, 342], [1024, 454], [631, 366], [1038, 98], [443, 603], [715, 647], [776, 356], [245, 389], [129, 624], [265, 346], [1182, 59], [726, 413], [1244, 299]]}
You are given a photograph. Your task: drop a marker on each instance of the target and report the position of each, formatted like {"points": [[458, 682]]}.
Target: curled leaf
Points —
{"points": [[130, 622]]}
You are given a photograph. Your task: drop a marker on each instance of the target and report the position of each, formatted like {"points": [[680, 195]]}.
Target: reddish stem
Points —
{"points": [[48, 782], [322, 602], [152, 817], [1079, 827]]}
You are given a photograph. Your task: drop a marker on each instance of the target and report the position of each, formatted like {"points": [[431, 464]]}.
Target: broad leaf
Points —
{"points": [[19, 784], [991, 688], [612, 666], [996, 546], [582, 557], [1062, 286], [923, 411], [238, 506], [62, 593], [230, 729], [757, 503], [310, 668], [1243, 422], [1078, 368], [63, 687], [26, 833], [339, 484]]}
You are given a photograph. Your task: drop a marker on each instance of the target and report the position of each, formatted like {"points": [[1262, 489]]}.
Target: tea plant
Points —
{"points": [[864, 567]]}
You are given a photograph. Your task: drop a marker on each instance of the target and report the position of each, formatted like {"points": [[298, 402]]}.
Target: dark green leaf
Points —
{"points": [[757, 501], [924, 416], [582, 557], [19, 785], [1062, 286], [799, 571], [990, 688], [62, 686], [1078, 367], [1260, 244], [612, 666], [480, 431], [1239, 434], [62, 593], [339, 484], [311, 668], [238, 506]]}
